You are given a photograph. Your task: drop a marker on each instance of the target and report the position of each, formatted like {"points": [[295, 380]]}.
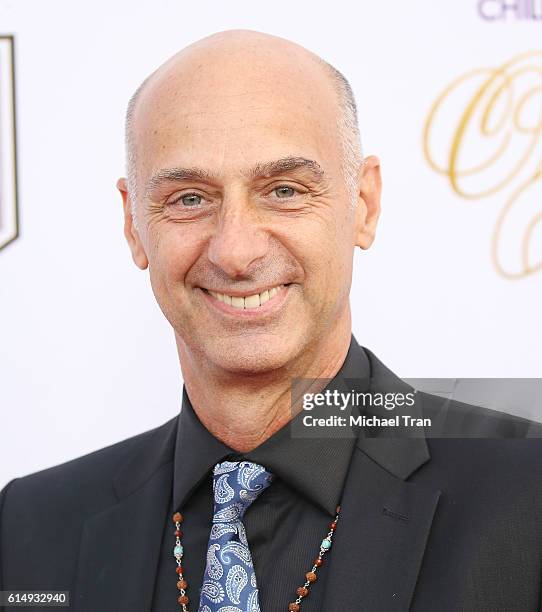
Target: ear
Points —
{"points": [[130, 232], [368, 203]]}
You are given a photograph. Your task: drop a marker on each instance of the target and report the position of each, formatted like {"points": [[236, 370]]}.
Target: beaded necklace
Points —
{"points": [[302, 591]]}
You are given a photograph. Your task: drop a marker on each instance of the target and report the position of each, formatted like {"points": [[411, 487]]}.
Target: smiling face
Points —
{"points": [[244, 215]]}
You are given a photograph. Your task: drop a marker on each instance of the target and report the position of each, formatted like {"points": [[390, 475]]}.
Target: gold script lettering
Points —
{"points": [[492, 143]]}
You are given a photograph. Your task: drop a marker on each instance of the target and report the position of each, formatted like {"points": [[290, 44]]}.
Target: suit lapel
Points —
{"points": [[385, 521], [120, 546], [379, 542]]}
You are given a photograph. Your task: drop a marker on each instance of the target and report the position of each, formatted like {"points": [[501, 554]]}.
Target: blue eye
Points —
{"points": [[191, 199], [284, 191]]}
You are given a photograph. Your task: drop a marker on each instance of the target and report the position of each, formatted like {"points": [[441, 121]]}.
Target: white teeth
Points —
{"points": [[250, 301]]}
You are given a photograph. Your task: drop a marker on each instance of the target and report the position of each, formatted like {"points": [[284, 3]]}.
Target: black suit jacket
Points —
{"points": [[448, 524]]}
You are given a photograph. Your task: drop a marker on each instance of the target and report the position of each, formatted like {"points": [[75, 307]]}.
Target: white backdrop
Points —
{"points": [[86, 357]]}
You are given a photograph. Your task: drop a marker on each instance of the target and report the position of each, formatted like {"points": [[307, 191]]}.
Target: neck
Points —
{"points": [[243, 410]]}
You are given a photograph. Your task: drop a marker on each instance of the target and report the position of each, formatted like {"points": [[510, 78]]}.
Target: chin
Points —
{"points": [[254, 354]]}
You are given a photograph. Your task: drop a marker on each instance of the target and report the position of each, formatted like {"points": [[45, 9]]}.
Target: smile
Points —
{"points": [[249, 301]]}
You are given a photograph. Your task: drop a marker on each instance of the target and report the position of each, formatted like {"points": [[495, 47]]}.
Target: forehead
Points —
{"points": [[227, 115]]}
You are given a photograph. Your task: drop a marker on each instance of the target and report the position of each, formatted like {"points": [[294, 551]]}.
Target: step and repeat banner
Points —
{"points": [[449, 97]]}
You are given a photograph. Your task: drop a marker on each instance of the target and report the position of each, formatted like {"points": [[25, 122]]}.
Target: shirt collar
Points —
{"points": [[314, 466]]}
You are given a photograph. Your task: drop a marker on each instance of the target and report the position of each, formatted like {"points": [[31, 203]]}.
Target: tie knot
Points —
{"points": [[236, 484]]}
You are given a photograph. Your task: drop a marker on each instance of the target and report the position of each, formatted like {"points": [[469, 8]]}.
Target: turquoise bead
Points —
{"points": [[178, 551], [326, 544]]}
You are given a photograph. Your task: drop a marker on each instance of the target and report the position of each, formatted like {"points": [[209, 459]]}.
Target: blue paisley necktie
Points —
{"points": [[229, 582]]}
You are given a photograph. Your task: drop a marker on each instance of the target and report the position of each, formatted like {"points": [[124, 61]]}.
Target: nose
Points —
{"points": [[238, 240]]}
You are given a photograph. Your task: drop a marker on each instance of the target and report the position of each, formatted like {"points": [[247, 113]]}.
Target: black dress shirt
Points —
{"points": [[285, 524]]}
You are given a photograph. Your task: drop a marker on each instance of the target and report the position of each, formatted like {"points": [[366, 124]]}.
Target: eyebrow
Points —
{"points": [[286, 164], [176, 175], [260, 170]]}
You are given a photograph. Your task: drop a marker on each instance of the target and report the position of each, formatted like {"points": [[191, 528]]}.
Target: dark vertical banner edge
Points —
{"points": [[11, 39]]}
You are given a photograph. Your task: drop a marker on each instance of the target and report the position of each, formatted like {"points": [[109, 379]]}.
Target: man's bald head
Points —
{"points": [[245, 151], [226, 47]]}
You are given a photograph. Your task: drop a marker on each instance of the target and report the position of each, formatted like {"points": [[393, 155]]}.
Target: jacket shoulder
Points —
{"points": [[451, 418], [47, 510], [87, 479]]}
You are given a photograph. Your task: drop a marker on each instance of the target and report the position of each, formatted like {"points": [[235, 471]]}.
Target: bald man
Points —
{"points": [[245, 198]]}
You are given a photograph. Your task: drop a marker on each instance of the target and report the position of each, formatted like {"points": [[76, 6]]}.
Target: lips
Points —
{"points": [[248, 301]]}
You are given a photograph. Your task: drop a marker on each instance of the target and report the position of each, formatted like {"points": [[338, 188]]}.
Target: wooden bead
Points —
{"points": [[302, 591], [178, 533], [294, 607], [179, 569], [182, 584], [177, 517], [318, 562], [183, 599], [310, 576]]}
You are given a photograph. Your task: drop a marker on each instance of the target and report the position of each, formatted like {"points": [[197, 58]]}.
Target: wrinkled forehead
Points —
{"points": [[228, 112]]}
